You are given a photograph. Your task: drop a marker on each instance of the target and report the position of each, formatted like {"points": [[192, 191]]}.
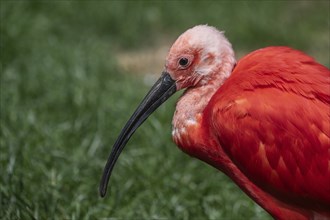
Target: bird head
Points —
{"points": [[195, 58]]}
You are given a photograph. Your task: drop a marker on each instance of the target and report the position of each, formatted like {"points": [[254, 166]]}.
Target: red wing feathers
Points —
{"points": [[272, 119]]}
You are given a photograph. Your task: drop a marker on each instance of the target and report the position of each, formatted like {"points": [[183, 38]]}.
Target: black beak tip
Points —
{"points": [[103, 191], [102, 194]]}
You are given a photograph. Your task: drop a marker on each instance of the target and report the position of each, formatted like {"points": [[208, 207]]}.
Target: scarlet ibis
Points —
{"points": [[264, 122]]}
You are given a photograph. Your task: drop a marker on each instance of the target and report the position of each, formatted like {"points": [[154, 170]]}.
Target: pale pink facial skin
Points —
{"points": [[207, 51]]}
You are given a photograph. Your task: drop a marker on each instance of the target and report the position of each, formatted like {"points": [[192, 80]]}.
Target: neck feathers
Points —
{"points": [[190, 106]]}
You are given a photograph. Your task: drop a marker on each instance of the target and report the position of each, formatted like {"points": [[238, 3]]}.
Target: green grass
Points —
{"points": [[64, 100]]}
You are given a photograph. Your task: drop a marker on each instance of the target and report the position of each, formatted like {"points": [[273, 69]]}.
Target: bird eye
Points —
{"points": [[183, 62]]}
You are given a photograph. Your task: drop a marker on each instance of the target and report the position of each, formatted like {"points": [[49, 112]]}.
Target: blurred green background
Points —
{"points": [[73, 72]]}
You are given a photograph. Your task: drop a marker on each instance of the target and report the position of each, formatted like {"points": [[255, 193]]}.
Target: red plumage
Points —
{"points": [[271, 117]]}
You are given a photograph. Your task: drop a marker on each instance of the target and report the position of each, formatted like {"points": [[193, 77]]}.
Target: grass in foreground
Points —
{"points": [[64, 101]]}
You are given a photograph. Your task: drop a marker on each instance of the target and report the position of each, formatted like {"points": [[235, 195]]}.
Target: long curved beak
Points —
{"points": [[159, 93]]}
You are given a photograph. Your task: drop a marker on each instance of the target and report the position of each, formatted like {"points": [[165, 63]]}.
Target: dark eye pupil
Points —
{"points": [[183, 61]]}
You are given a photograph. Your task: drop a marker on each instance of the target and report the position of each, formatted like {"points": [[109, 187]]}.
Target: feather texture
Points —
{"points": [[271, 118]]}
